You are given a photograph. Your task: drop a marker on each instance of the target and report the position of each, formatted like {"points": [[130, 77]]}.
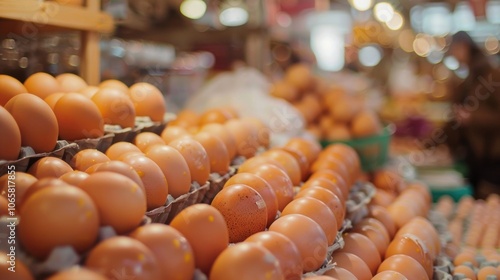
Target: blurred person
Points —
{"points": [[473, 129]]}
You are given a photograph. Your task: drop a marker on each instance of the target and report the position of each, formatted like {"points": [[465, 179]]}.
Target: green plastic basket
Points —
{"points": [[455, 193], [373, 151]]}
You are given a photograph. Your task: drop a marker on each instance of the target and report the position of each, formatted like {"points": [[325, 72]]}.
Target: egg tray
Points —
{"points": [[360, 196], [165, 214], [28, 156], [60, 258], [216, 183]]}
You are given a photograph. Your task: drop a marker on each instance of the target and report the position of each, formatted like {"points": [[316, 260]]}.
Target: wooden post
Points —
{"points": [[91, 56]]}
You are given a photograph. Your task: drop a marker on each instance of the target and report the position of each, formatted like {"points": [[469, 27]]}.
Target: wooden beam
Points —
{"points": [[91, 54]]}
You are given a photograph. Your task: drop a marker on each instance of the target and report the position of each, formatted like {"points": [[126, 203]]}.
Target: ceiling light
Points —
{"points": [[233, 16], [193, 9]]}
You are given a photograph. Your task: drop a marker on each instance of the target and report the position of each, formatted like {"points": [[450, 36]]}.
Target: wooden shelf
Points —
{"points": [[55, 14]]}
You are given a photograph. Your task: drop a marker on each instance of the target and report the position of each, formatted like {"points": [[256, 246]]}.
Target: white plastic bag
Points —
{"points": [[247, 90]]}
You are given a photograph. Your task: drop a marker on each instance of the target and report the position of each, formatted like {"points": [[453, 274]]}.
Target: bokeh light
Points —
{"points": [[193, 9]]}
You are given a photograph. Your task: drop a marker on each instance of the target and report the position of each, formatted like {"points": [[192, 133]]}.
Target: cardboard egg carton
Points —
{"points": [[360, 196], [216, 183]]}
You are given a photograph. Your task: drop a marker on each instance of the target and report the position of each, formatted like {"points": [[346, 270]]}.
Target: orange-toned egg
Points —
{"points": [[20, 185], [333, 177], [52, 99], [246, 136], [171, 249], [362, 247], [348, 153], [76, 223], [299, 75], [86, 158], [316, 210], [10, 143], [69, 82], [74, 178], [22, 271], [387, 180], [340, 273], [335, 165], [77, 273], [119, 167], [365, 124], [41, 84], [78, 118], [206, 231], [412, 246], [405, 265], [327, 184], [330, 199], [216, 152], [196, 157], [144, 140], [89, 91], [263, 131], [423, 228], [389, 275], [262, 187], [120, 201], [36, 121], [466, 257], [152, 178], [353, 264], [246, 261], [49, 167], [214, 115], [278, 180], [115, 106], [148, 101], [172, 132], [112, 83], [40, 185], [288, 162], [484, 272], [4, 206], [121, 254], [301, 160], [383, 198], [243, 209], [174, 168], [10, 88], [379, 238], [401, 214], [257, 161], [465, 270], [186, 118], [381, 214], [307, 235], [310, 148], [118, 149], [283, 249], [221, 131]]}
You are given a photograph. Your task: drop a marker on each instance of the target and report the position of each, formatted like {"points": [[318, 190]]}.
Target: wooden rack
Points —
{"points": [[88, 19]]}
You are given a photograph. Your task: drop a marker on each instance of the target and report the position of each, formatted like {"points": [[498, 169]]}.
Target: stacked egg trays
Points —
{"points": [[458, 238]]}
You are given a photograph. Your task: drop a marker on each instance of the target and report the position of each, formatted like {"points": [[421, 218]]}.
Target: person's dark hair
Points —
{"points": [[478, 61]]}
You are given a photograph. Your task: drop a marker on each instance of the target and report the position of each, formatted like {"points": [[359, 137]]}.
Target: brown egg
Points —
{"points": [[309, 148], [465, 270], [206, 231], [112, 83], [401, 214], [121, 255], [144, 140], [257, 161], [214, 115], [374, 223], [21, 270], [36, 121], [171, 249], [246, 261], [115, 106], [362, 247], [307, 235], [284, 90], [89, 91], [341, 273], [263, 131], [283, 249], [379, 238], [77, 273], [389, 275], [484, 272], [335, 165], [299, 76], [69, 82], [49, 167], [405, 265], [410, 245], [152, 178], [338, 132], [78, 118], [196, 157], [344, 109], [387, 180], [262, 187], [327, 184], [383, 198], [466, 257], [172, 132], [245, 135], [288, 162], [353, 264], [74, 178], [22, 183], [327, 197], [316, 210], [4, 206], [186, 118], [174, 168], [10, 143], [222, 132], [41, 84], [334, 177], [86, 158], [118, 149], [243, 209], [117, 167], [365, 124], [278, 180], [381, 214], [52, 99], [347, 154], [76, 223], [422, 228], [301, 160], [148, 101], [120, 201], [216, 152], [37, 186], [10, 88]]}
